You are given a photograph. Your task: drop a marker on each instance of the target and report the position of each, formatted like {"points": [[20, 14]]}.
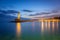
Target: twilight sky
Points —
{"points": [[30, 8]]}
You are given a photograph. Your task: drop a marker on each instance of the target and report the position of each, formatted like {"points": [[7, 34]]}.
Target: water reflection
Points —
{"points": [[49, 29], [53, 25], [57, 24], [46, 25], [42, 26], [33, 24], [49, 25], [18, 30]]}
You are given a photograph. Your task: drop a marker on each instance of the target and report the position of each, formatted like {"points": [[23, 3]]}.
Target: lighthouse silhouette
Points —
{"points": [[18, 18]]}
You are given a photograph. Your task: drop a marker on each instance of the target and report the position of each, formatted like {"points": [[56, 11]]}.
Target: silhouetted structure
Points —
{"points": [[56, 17]]}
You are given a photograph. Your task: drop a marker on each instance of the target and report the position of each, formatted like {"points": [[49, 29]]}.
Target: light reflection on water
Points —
{"points": [[42, 30], [18, 30], [48, 29]]}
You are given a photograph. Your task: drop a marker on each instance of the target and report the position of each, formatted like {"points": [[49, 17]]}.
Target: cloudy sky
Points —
{"points": [[30, 8]]}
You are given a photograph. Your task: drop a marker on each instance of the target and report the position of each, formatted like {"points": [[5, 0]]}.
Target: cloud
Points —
{"points": [[42, 13], [8, 11], [52, 13], [56, 10], [27, 10]]}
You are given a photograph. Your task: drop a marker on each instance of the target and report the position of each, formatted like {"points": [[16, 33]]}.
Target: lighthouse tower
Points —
{"points": [[17, 19], [18, 16]]}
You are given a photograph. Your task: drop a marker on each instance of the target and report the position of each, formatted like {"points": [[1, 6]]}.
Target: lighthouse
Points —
{"points": [[18, 16]]}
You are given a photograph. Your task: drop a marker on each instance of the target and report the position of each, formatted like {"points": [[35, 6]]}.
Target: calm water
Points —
{"points": [[30, 31]]}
